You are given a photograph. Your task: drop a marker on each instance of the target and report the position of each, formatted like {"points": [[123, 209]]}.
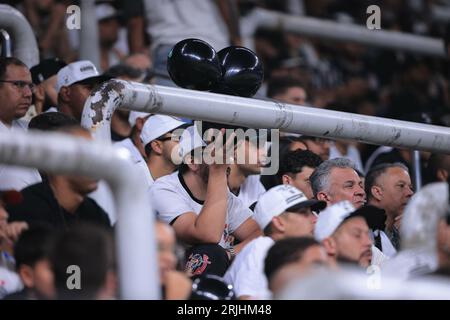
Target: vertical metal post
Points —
{"points": [[6, 44], [417, 174]]}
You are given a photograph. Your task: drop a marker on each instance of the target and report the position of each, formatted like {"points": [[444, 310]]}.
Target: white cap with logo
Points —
{"points": [[158, 125], [331, 218], [190, 140], [75, 72], [278, 199]]}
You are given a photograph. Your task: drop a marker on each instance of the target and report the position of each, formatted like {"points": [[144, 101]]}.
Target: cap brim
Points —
{"points": [[374, 216], [94, 80], [315, 205]]}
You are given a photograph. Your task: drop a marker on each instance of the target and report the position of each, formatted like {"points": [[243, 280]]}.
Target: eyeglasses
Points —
{"points": [[21, 84]]}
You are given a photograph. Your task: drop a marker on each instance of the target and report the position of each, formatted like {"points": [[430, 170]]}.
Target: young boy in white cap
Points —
{"points": [[283, 211]]}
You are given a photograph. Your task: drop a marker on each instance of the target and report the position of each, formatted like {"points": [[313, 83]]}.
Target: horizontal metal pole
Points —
{"points": [[327, 29], [136, 244], [259, 114]]}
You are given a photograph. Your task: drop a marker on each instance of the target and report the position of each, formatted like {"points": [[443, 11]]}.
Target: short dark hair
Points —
{"points": [[9, 61], [89, 247], [33, 245], [50, 121], [121, 69], [294, 161], [375, 172], [280, 85], [286, 251]]}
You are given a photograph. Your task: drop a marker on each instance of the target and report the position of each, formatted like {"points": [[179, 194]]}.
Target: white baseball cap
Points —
{"points": [[278, 199], [190, 140], [158, 125], [76, 72], [136, 114], [333, 216], [105, 11]]}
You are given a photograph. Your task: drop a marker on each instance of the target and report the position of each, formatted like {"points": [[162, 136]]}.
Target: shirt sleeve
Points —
{"points": [[167, 203]]}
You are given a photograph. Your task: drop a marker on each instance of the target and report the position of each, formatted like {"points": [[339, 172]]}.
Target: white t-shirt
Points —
{"points": [[246, 273], [104, 196], [171, 21], [170, 198], [14, 177], [250, 190]]}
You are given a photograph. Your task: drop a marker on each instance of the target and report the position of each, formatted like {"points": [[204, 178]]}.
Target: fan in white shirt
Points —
{"points": [[16, 90], [197, 203], [281, 212]]}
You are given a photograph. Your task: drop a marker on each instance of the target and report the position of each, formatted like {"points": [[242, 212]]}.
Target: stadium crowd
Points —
{"points": [[332, 204]]}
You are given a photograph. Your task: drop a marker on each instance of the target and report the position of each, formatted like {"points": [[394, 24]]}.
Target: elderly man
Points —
{"points": [[337, 180], [16, 90]]}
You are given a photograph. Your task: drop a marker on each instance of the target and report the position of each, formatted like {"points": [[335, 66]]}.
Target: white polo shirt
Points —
{"points": [[170, 197], [15, 177], [246, 273], [250, 190]]}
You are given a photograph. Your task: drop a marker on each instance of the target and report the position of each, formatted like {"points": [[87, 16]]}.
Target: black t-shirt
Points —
{"points": [[39, 206]]}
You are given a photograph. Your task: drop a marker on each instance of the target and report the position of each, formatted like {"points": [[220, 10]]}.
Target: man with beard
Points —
{"points": [[204, 214], [344, 233], [388, 186]]}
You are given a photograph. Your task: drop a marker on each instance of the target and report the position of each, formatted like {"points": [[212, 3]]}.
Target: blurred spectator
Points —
{"points": [[439, 168], [296, 168], [108, 33], [319, 146], [281, 212], [51, 121], [287, 90], [16, 90], [75, 83], [141, 62], [388, 186], [169, 22], [291, 258], [337, 180], [443, 246], [32, 254], [76, 247], [60, 200], [346, 149], [44, 77], [344, 233], [175, 285], [47, 19], [196, 201]]}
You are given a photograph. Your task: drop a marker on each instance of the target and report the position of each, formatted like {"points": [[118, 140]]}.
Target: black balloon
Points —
{"points": [[194, 64], [242, 72], [211, 287]]}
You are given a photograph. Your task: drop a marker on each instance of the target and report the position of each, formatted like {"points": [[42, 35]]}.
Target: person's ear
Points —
{"points": [[139, 124], [286, 179], [278, 224], [377, 192], [64, 94], [323, 196], [330, 246], [27, 276], [156, 146], [442, 175]]}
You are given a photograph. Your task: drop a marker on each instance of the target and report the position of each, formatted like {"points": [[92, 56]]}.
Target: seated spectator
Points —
{"points": [[78, 246], [287, 90], [295, 169], [203, 212], [75, 82], [443, 246], [337, 180], [346, 149], [291, 258], [175, 285], [44, 77], [319, 146], [60, 200], [344, 233], [281, 212], [32, 254], [51, 121], [439, 168], [16, 90], [388, 186]]}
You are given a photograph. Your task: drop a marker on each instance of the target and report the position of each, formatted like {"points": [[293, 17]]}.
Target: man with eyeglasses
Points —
{"points": [[16, 91]]}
